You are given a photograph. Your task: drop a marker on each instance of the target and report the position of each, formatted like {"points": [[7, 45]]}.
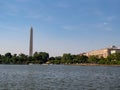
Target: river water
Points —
{"points": [[59, 77]]}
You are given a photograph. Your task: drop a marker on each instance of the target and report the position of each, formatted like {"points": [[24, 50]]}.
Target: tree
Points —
{"points": [[37, 58], [45, 56], [102, 60], [93, 59], [84, 59], [55, 60], [51, 58], [0, 59], [58, 58], [8, 55], [7, 58], [41, 57], [67, 56], [113, 59], [14, 59], [22, 58]]}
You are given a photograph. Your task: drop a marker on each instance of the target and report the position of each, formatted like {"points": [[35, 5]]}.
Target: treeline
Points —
{"points": [[77, 59], [37, 58], [43, 57]]}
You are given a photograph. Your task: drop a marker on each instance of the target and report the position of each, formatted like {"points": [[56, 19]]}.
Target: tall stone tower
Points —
{"points": [[31, 42]]}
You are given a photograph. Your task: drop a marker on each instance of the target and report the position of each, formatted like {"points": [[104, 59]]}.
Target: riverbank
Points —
{"points": [[89, 64], [82, 64]]}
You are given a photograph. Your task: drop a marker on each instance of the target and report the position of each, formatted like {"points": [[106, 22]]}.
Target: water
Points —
{"points": [[59, 77]]}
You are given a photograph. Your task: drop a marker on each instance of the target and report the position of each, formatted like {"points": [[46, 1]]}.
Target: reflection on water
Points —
{"points": [[59, 77]]}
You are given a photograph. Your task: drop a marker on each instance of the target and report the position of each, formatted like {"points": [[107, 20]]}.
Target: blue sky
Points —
{"points": [[60, 26]]}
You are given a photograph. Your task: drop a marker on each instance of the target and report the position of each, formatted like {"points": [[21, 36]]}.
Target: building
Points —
{"points": [[103, 52]]}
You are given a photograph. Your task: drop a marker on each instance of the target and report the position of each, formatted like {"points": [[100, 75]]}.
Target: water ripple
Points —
{"points": [[59, 77]]}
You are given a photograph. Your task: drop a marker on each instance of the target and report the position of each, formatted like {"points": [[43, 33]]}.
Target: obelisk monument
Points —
{"points": [[31, 42]]}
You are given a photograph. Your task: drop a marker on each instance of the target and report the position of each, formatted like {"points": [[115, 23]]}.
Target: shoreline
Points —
{"points": [[82, 64], [88, 64]]}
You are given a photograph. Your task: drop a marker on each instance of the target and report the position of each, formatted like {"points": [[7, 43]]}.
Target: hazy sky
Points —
{"points": [[60, 26]]}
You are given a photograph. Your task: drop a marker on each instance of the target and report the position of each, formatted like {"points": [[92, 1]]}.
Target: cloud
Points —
{"points": [[98, 13], [16, 8], [62, 5], [23, 9], [108, 28], [48, 18], [102, 15], [70, 27], [8, 8], [38, 16], [103, 26], [110, 18], [22, 1], [33, 15], [105, 23], [9, 28]]}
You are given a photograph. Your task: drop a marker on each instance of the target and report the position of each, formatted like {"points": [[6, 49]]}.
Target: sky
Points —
{"points": [[59, 26]]}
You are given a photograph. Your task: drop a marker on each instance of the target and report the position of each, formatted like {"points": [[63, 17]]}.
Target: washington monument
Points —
{"points": [[31, 42]]}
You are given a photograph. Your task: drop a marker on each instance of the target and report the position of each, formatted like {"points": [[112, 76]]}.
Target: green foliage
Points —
{"points": [[67, 57], [81, 59], [93, 59], [43, 57], [8, 55], [38, 57], [102, 60]]}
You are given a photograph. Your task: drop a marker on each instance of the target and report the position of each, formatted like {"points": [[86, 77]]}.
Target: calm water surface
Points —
{"points": [[59, 77]]}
